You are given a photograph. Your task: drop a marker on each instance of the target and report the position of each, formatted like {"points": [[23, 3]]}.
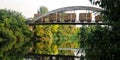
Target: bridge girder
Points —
{"points": [[70, 8]]}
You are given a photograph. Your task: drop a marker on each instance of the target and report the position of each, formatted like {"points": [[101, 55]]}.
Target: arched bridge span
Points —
{"points": [[46, 19]]}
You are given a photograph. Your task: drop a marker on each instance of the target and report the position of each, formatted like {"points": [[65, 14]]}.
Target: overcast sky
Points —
{"points": [[29, 7]]}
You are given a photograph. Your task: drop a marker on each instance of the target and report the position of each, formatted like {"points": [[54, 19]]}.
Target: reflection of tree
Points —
{"points": [[52, 37], [67, 38]]}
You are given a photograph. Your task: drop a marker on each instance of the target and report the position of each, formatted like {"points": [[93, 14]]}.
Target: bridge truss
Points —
{"points": [[58, 16]]}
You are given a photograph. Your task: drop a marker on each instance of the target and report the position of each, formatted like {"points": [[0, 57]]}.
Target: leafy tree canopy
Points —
{"points": [[111, 9], [14, 35], [103, 43], [43, 10]]}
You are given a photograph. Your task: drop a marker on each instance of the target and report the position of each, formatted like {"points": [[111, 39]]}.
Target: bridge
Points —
{"points": [[67, 15]]}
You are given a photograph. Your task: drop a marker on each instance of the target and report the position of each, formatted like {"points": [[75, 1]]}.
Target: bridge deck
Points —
{"points": [[59, 23]]}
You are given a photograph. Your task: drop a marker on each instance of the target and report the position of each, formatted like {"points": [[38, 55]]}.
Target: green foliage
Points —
{"points": [[103, 43], [42, 10], [67, 37], [97, 45], [50, 38], [14, 35], [111, 9], [45, 40]]}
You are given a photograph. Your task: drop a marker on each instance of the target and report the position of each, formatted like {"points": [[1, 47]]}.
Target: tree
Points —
{"points": [[97, 45], [42, 10], [111, 9], [104, 43], [14, 35]]}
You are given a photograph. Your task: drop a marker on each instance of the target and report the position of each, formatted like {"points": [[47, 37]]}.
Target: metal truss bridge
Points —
{"points": [[67, 15]]}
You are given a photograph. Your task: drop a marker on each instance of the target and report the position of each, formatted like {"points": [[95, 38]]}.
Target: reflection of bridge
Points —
{"points": [[59, 16]]}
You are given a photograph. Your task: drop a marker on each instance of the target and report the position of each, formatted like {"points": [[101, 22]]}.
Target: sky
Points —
{"points": [[29, 7]]}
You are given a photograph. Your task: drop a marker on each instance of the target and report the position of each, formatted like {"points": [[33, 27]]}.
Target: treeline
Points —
{"points": [[99, 43], [16, 39]]}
